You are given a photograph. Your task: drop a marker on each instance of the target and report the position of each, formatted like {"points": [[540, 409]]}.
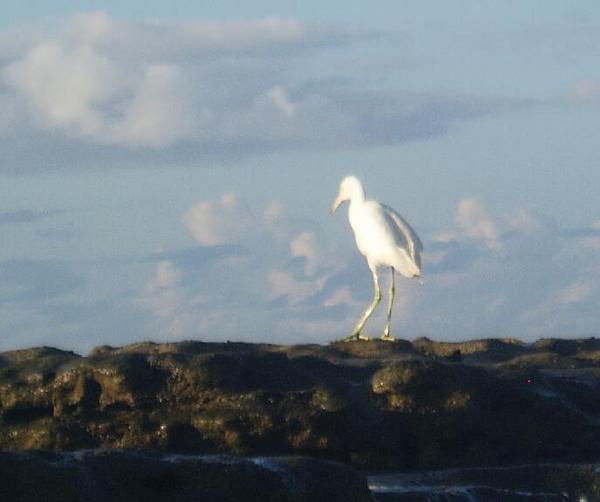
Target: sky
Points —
{"points": [[166, 169]]}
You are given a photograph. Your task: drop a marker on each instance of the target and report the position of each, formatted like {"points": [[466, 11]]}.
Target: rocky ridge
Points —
{"points": [[141, 476], [375, 405]]}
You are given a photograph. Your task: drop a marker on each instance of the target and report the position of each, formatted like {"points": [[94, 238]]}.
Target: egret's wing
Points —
{"points": [[405, 234]]}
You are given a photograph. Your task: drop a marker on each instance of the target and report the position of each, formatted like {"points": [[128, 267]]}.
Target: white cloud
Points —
{"points": [[162, 294], [281, 100], [575, 292], [520, 275], [194, 88], [341, 296], [285, 272], [64, 87], [175, 313], [275, 279], [156, 84], [225, 220], [86, 94], [305, 246], [537, 279], [295, 290], [587, 90], [198, 38], [166, 276], [476, 223], [159, 113], [525, 221]]}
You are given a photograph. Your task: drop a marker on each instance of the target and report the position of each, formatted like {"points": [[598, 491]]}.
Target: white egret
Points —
{"points": [[385, 239]]}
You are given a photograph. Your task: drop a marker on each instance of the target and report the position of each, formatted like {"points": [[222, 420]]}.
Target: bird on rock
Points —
{"points": [[385, 239]]}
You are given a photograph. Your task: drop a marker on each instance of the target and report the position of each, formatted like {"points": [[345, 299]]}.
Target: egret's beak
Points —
{"points": [[336, 204]]}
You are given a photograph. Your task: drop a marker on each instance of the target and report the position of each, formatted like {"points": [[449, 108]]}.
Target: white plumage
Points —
{"points": [[385, 239]]}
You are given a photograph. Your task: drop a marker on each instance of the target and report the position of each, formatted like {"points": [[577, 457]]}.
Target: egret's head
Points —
{"points": [[350, 188]]}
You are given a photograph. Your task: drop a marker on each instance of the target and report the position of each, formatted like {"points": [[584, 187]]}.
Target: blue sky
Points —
{"points": [[165, 172]]}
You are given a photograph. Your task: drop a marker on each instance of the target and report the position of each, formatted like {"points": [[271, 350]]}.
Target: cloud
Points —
{"points": [[280, 98], [575, 293], [537, 279], [31, 291], [305, 246], [196, 257], [36, 280], [292, 289], [24, 216], [476, 223], [76, 90], [586, 90], [218, 222], [279, 279], [64, 304], [111, 82], [202, 39], [173, 313], [341, 296], [158, 114], [518, 275], [265, 273], [93, 86], [166, 277], [63, 87]]}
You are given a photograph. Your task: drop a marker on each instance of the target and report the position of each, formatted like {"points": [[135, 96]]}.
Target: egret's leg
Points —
{"points": [[386, 332], [376, 299]]}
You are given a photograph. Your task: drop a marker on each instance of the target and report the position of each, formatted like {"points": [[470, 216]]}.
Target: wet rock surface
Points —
{"points": [[375, 405], [131, 476], [525, 483]]}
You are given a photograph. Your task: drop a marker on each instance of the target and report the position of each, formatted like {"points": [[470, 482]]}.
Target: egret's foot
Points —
{"points": [[386, 337], [356, 337]]}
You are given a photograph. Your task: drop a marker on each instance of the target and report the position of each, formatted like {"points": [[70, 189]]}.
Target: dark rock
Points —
{"points": [[376, 349], [525, 483], [490, 349], [567, 347], [131, 476], [377, 405], [311, 480]]}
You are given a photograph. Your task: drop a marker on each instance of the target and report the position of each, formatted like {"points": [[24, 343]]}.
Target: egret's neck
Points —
{"points": [[357, 195]]}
